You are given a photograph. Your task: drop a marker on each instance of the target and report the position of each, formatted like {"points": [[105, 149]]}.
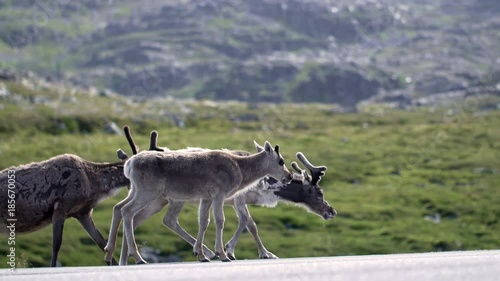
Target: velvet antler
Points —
{"points": [[316, 172], [154, 142], [302, 172], [130, 140]]}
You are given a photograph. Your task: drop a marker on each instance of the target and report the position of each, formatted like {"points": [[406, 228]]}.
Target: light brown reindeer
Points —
{"points": [[303, 190], [180, 176], [65, 186]]}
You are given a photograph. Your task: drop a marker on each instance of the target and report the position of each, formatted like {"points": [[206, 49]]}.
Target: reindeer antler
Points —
{"points": [[130, 140], [304, 173], [154, 141], [296, 167], [152, 144], [316, 172]]}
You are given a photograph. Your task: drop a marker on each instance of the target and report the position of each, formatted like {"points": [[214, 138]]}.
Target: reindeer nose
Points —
{"points": [[330, 214], [334, 213]]}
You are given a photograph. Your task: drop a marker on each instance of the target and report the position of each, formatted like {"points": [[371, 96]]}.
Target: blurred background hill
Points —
{"points": [[344, 52]]}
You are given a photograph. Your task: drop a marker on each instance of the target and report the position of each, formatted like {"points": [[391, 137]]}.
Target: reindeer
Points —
{"points": [[303, 190], [65, 186], [180, 176]]}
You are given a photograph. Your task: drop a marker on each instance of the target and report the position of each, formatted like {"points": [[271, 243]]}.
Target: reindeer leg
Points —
{"points": [[204, 220], [171, 220], [115, 224], [217, 208], [124, 251], [58, 219], [88, 224], [243, 214], [263, 252], [128, 213], [140, 218]]}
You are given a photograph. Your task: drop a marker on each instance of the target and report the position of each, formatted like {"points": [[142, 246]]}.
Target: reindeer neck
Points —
{"points": [[109, 175], [252, 167]]}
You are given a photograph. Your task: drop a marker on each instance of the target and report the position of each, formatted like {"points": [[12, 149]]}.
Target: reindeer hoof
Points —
{"points": [[112, 262], [269, 256], [142, 262], [226, 260], [201, 258], [272, 258], [231, 257]]}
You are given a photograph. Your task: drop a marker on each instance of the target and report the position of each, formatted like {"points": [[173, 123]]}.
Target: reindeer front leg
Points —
{"points": [[115, 225], [88, 224], [263, 252], [58, 219], [171, 220], [217, 207], [243, 214], [203, 221]]}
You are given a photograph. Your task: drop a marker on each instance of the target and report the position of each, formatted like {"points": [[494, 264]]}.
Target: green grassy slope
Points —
{"points": [[390, 173]]}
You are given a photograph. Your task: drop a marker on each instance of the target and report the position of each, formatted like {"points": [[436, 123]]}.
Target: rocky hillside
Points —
{"points": [[397, 52]]}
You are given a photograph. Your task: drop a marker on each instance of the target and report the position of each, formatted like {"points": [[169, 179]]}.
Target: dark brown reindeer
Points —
{"points": [[303, 190], [65, 186]]}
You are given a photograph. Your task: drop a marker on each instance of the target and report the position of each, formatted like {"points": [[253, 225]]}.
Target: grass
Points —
{"points": [[402, 181], [4, 47]]}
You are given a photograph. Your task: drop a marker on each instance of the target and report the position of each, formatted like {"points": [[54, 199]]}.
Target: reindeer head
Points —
{"points": [[275, 162], [305, 190]]}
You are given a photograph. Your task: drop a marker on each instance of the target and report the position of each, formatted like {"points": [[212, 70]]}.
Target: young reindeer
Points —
{"points": [[171, 217], [49, 192], [180, 176], [303, 190]]}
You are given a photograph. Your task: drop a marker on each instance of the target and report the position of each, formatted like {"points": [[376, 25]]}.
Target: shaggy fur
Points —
{"points": [[65, 186]]}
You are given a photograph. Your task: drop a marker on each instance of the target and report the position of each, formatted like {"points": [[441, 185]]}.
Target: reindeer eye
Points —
{"points": [[281, 162]]}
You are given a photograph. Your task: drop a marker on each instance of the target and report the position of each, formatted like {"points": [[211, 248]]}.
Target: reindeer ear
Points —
{"points": [[268, 147], [258, 147], [296, 167], [121, 154]]}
